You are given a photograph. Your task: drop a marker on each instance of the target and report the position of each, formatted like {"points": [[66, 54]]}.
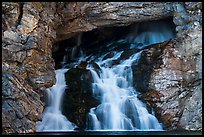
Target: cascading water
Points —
{"points": [[120, 109], [76, 50], [53, 120], [147, 33]]}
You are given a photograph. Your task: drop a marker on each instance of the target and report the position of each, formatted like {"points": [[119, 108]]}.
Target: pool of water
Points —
{"points": [[122, 133]]}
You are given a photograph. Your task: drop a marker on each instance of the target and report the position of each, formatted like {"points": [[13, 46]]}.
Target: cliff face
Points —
{"points": [[179, 81], [27, 65], [178, 78], [175, 86], [30, 29]]}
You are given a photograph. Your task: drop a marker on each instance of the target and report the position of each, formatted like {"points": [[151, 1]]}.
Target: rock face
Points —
{"points": [[149, 60], [175, 86], [27, 66], [179, 77], [21, 105], [78, 99], [86, 16], [29, 30]]}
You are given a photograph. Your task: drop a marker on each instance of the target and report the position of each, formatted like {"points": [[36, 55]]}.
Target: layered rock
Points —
{"points": [[27, 65], [86, 16], [174, 83], [179, 78], [30, 29], [21, 105], [175, 86]]}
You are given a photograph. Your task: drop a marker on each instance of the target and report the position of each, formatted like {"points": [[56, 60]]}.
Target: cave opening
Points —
{"points": [[126, 41], [95, 41]]}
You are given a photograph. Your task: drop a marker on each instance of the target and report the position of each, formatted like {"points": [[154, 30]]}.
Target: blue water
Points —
{"points": [[122, 133], [115, 85]]}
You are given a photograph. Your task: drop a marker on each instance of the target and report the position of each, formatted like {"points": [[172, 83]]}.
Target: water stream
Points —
{"points": [[53, 120], [119, 108]]}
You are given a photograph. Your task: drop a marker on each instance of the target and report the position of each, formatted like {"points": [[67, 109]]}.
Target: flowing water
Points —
{"points": [[146, 33], [120, 109], [53, 120]]}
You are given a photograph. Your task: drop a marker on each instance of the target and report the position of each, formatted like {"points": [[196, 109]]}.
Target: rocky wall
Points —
{"points": [[29, 30]]}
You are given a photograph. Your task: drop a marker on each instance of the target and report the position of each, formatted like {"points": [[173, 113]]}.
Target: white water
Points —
{"points": [[120, 108], [147, 33], [77, 52], [53, 120]]}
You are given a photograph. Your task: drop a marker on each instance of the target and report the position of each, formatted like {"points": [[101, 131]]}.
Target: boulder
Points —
{"points": [[78, 98]]}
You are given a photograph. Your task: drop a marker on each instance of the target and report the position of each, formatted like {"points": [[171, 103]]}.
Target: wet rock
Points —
{"points": [[127, 53], [82, 65], [78, 98], [151, 98], [119, 45], [96, 67], [109, 55], [142, 69], [30, 29]]}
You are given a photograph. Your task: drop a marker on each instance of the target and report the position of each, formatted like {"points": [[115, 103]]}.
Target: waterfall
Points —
{"points": [[120, 109], [77, 51], [53, 120], [146, 33]]}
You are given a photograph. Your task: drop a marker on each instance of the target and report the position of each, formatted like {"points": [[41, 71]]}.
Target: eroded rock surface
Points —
{"points": [[176, 84], [27, 65], [29, 30], [21, 105]]}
